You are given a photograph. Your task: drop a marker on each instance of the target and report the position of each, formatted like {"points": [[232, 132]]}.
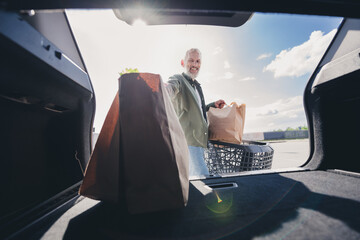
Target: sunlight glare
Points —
{"points": [[139, 23]]}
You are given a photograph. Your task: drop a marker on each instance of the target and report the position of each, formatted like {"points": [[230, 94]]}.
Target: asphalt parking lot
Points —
{"points": [[289, 153]]}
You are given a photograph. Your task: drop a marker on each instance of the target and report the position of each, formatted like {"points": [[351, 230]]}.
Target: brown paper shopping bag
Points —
{"points": [[227, 124], [150, 163], [101, 181]]}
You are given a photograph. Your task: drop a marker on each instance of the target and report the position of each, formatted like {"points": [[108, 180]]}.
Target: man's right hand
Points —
{"points": [[220, 103]]}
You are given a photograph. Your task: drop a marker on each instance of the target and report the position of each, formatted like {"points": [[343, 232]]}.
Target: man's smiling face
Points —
{"points": [[192, 64]]}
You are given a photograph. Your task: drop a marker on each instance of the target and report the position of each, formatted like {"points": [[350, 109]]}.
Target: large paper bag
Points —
{"points": [[101, 181], [227, 124], [150, 172]]}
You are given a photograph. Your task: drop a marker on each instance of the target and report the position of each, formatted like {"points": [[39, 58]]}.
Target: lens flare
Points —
{"points": [[219, 202], [218, 198]]}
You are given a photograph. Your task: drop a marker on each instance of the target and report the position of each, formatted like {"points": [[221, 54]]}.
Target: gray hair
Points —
{"points": [[190, 51]]}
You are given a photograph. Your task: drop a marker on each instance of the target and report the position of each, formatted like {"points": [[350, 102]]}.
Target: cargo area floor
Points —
{"points": [[295, 205]]}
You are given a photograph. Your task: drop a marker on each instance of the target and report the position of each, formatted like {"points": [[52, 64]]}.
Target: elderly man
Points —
{"points": [[188, 100]]}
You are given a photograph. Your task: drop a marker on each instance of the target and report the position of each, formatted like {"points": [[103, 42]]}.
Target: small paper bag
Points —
{"points": [[227, 124]]}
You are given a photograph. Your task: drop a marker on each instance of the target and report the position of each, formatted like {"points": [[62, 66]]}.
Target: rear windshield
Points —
{"points": [[264, 64]]}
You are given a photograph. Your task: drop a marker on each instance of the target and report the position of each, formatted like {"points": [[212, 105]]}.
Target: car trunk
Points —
{"points": [[47, 106]]}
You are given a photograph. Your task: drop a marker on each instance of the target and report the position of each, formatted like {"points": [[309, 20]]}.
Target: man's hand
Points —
{"points": [[220, 103]]}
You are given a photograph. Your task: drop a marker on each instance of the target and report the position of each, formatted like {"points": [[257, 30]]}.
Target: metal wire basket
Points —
{"points": [[222, 157]]}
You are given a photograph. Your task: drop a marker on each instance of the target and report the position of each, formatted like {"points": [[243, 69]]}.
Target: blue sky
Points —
{"points": [[265, 63]]}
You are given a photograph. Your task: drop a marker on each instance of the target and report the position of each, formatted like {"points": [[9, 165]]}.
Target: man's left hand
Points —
{"points": [[220, 103]]}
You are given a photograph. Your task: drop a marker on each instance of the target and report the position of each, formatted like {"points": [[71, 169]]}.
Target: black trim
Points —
{"points": [[21, 220], [345, 8], [93, 99]]}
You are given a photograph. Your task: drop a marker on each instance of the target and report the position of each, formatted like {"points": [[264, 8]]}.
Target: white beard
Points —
{"points": [[193, 76]]}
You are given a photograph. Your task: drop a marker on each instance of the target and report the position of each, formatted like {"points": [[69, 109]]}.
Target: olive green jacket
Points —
{"points": [[184, 99]]}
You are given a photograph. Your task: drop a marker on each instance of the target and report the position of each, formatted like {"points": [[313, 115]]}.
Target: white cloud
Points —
{"points": [[263, 56], [227, 75], [247, 79], [282, 107], [301, 59], [282, 113], [226, 64], [269, 113], [217, 50]]}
